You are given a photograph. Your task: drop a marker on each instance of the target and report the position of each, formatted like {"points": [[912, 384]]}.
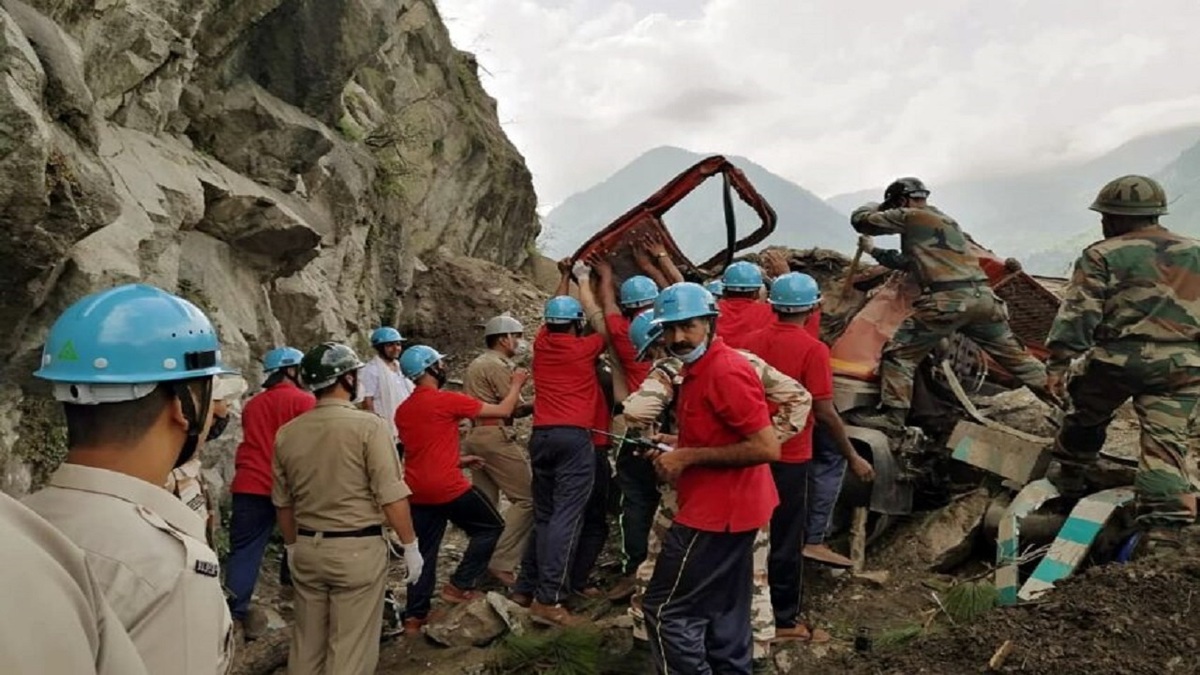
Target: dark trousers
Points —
{"points": [[563, 463], [785, 565], [825, 474], [251, 521], [697, 605], [594, 532], [472, 513], [639, 501]]}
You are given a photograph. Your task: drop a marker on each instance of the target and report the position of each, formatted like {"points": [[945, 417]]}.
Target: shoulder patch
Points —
{"points": [[207, 568]]}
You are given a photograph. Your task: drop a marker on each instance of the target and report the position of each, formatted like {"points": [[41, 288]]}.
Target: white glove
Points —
{"points": [[413, 562], [289, 554], [866, 243]]}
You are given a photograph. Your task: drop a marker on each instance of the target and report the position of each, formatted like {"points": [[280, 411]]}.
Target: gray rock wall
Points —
{"points": [[282, 163]]}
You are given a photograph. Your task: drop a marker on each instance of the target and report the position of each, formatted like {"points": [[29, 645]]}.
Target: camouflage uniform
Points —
{"points": [[644, 410], [956, 297], [1133, 307]]}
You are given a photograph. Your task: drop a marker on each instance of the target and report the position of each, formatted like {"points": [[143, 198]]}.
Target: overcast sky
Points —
{"points": [[836, 95]]}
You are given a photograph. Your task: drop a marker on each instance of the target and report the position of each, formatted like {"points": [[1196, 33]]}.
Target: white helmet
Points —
{"points": [[502, 325]]}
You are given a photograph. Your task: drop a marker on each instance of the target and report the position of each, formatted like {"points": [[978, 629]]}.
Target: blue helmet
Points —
{"points": [[683, 301], [416, 360], [643, 331], [118, 344], [385, 335], [638, 291], [281, 357], [794, 292], [742, 276], [563, 309], [716, 287]]}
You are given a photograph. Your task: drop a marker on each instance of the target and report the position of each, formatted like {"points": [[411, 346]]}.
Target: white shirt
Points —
{"points": [[386, 387]]}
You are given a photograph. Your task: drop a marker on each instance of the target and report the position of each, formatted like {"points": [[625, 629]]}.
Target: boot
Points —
{"points": [[823, 554], [553, 615], [623, 589], [455, 595], [886, 418], [1068, 478]]}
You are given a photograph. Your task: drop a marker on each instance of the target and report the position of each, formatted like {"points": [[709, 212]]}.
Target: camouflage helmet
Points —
{"points": [[905, 187], [1131, 196], [325, 363]]}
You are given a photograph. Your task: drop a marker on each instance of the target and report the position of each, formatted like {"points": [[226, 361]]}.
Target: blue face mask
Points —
{"points": [[692, 356]]}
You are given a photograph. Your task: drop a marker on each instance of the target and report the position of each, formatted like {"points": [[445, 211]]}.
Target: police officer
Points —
{"points": [[56, 619], [697, 604], [253, 515], [383, 387], [506, 466], [1132, 310], [336, 470], [955, 295], [134, 368]]}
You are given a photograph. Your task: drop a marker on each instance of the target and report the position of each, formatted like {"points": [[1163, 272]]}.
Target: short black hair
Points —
{"points": [[122, 423], [491, 340], [740, 294], [561, 327]]}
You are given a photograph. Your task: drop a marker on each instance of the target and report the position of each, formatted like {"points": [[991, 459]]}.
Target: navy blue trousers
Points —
{"points": [[825, 474], [250, 525], [785, 565]]}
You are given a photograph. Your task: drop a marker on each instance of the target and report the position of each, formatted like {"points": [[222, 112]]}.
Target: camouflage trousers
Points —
{"points": [[1165, 393], [974, 312], [762, 617]]}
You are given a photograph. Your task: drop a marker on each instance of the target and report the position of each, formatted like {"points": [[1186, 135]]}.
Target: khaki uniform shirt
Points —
{"points": [[55, 618], [146, 550], [335, 465], [186, 483], [488, 377]]}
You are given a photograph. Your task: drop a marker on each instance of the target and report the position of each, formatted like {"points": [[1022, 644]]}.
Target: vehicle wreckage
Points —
{"points": [[949, 447]]}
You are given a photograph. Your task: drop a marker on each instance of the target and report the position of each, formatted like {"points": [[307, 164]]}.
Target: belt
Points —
{"points": [[372, 531], [492, 422], [938, 286]]}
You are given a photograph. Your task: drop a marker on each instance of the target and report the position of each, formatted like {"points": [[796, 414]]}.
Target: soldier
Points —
{"points": [[46, 583], [650, 410], [505, 465], [1132, 311], [955, 296], [383, 387], [787, 346], [252, 518], [134, 368], [428, 425], [561, 450], [697, 605], [336, 478]]}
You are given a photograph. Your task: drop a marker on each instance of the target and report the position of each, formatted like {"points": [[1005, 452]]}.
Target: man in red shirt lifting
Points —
{"points": [[561, 452], [697, 604], [788, 346], [253, 515], [742, 310], [427, 422]]}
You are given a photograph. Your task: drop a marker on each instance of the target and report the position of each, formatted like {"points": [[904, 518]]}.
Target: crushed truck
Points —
{"points": [[949, 447]]}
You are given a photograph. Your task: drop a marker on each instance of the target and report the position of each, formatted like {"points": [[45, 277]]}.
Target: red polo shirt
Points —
{"points": [[618, 332], [427, 422], [805, 359], [720, 402], [261, 418], [741, 317], [564, 379]]}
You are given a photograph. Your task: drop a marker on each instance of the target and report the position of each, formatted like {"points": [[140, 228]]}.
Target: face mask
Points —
{"points": [[692, 356], [522, 347], [217, 428]]}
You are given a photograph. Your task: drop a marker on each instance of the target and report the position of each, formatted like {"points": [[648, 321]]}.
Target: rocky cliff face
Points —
{"points": [[284, 164]]}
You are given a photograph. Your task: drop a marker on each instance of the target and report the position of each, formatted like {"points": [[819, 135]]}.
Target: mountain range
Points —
{"points": [[1039, 216]]}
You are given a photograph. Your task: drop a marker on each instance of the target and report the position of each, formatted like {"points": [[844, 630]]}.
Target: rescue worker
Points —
{"points": [[650, 410], [697, 604], [560, 450], [134, 368], [56, 619], [955, 296], [787, 346], [716, 287], [743, 312], [635, 476], [252, 516], [1132, 311], [505, 466], [383, 387], [336, 477], [428, 425]]}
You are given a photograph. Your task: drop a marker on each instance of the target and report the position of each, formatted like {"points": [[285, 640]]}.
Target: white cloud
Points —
{"points": [[834, 95]]}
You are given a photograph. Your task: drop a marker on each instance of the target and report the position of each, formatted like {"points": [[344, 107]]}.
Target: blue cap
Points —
{"points": [[794, 292], [281, 357], [742, 276], [683, 301], [638, 291], [563, 309], [643, 331], [416, 360], [716, 287], [385, 335]]}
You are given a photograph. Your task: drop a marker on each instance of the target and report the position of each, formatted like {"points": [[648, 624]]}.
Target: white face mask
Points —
{"points": [[522, 347]]}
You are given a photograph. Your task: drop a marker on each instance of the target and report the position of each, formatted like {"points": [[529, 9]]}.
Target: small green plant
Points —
{"points": [[348, 129], [969, 600], [571, 651]]}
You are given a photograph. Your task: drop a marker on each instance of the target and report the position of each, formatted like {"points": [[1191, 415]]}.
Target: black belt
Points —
{"points": [[938, 286], [372, 531]]}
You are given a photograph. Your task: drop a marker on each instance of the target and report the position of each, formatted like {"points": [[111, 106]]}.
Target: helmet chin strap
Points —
{"points": [[195, 416]]}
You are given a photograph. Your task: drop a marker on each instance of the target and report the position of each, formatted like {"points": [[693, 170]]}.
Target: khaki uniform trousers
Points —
{"points": [[506, 470], [339, 605]]}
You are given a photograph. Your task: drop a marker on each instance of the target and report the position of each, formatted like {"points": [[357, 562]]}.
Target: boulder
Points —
{"points": [[470, 624]]}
